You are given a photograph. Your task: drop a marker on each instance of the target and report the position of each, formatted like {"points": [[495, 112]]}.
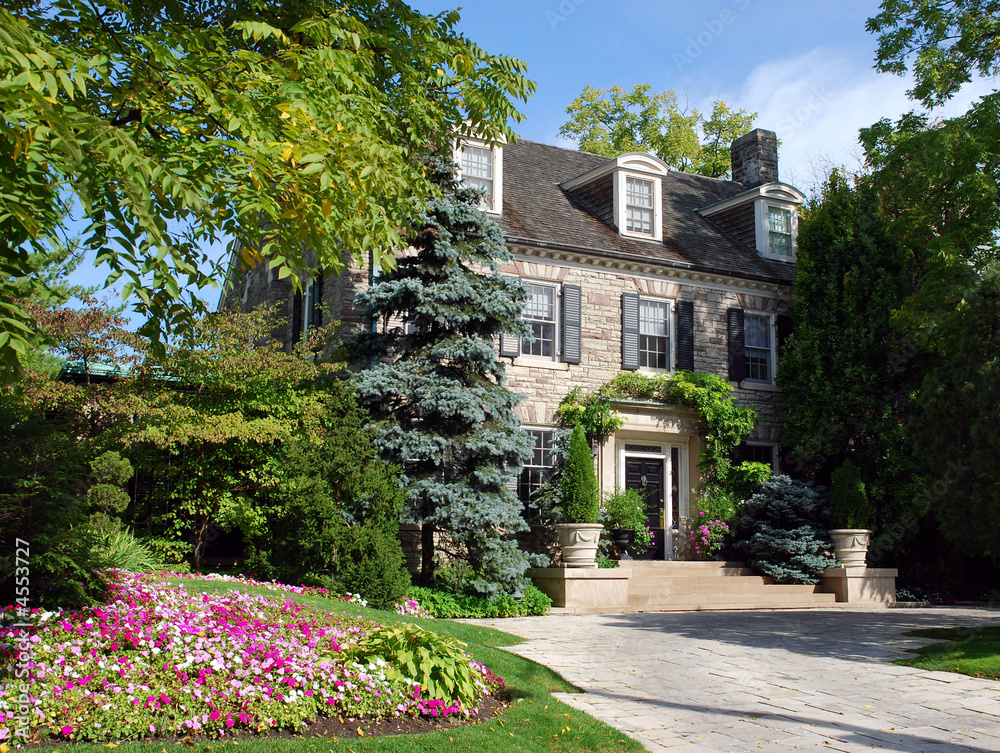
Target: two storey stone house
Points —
{"points": [[630, 266]]}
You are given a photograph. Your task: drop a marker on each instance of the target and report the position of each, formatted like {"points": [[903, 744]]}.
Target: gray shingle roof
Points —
{"points": [[537, 210]]}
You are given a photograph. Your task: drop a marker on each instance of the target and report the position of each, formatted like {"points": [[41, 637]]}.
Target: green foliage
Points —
{"points": [[448, 605], [322, 483], [847, 363], [436, 390], [111, 472], [626, 509], [437, 663], [121, 550], [370, 562], [849, 506], [718, 503], [288, 127], [781, 532], [946, 41], [534, 602], [727, 423], [45, 450], [593, 412], [580, 495], [747, 477], [955, 423], [614, 121]]}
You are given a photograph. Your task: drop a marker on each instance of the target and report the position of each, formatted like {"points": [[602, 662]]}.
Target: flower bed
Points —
{"points": [[159, 661]]}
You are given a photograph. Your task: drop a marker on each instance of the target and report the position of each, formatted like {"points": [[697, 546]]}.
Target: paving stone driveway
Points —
{"points": [[772, 680]]}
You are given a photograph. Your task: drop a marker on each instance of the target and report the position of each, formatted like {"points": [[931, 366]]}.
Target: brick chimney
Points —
{"points": [[755, 158]]}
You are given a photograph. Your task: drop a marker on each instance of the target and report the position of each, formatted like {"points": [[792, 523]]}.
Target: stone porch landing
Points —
{"points": [[649, 586]]}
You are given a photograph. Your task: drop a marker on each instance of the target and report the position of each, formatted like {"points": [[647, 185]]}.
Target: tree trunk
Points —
{"points": [[427, 555]]}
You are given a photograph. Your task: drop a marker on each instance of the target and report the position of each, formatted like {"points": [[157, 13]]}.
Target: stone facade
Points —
{"points": [[565, 237]]}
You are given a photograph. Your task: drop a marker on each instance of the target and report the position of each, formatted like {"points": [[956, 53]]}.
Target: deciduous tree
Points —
{"points": [[615, 121], [168, 126]]}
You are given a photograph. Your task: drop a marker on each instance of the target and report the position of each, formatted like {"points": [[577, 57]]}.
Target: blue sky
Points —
{"points": [[806, 68]]}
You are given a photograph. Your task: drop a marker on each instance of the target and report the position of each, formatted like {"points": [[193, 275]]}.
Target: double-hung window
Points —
{"points": [[540, 312], [760, 453], [758, 348], [779, 227], [654, 334], [477, 171], [536, 471], [639, 214]]}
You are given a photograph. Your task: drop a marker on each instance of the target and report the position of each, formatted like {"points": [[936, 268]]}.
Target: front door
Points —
{"points": [[646, 475]]}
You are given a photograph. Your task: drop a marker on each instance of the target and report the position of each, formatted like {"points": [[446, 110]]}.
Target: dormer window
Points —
{"points": [[639, 215], [764, 218], [626, 193], [480, 166], [779, 231]]}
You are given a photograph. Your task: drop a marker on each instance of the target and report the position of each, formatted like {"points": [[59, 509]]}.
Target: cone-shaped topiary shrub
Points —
{"points": [[849, 507], [781, 531], [580, 496]]}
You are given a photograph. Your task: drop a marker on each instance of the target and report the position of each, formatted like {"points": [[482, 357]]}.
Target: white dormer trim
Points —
{"points": [[621, 180], [778, 195], [636, 165], [494, 207]]}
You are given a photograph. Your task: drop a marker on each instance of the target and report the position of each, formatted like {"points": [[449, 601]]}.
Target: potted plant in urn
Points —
{"points": [[580, 534], [623, 515], [850, 512]]}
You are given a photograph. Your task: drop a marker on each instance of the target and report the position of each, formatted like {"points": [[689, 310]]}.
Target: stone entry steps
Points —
{"points": [[686, 586]]}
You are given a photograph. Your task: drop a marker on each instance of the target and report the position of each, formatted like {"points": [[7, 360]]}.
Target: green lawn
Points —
{"points": [[971, 651], [534, 722]]}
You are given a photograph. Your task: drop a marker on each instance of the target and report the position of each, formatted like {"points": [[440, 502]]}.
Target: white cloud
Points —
{"points": [[816, 103]]}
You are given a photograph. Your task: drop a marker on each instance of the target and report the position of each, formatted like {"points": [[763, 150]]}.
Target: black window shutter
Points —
{"points": [[685, 335], [297, 317], [784, 332], [737, 345], [317, 312], [572, 324], [630, 331]]}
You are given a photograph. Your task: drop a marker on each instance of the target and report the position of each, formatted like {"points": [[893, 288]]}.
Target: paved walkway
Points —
{"points": [[778, 680]]}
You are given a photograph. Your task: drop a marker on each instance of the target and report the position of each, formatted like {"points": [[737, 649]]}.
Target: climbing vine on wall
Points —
{"points": [[726, 422]]}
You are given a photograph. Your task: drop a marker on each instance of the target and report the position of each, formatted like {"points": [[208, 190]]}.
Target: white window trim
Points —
{"points": [[306, 307], [671, 335], [763, 227], [554, 430], [497, 152], [528, 358], [621, 177], [774, 451], [773, 334]]}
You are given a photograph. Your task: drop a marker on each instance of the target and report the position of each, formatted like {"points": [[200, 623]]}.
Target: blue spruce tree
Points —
{"points": [[436, 390]]}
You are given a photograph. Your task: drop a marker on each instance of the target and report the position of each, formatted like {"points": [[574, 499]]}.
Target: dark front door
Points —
{"points": [[646, 476]]}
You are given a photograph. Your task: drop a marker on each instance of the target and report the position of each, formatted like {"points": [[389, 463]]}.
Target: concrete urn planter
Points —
{"points": [[850, 545], [579, 543]]}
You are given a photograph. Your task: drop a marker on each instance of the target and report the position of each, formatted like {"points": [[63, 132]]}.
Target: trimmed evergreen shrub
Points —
{"points": [[370, 562], [580, 496], [781, 532], [111, 473], [849, 507]]}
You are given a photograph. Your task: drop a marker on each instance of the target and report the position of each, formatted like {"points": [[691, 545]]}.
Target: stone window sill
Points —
{"points": [[541, 364]]}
